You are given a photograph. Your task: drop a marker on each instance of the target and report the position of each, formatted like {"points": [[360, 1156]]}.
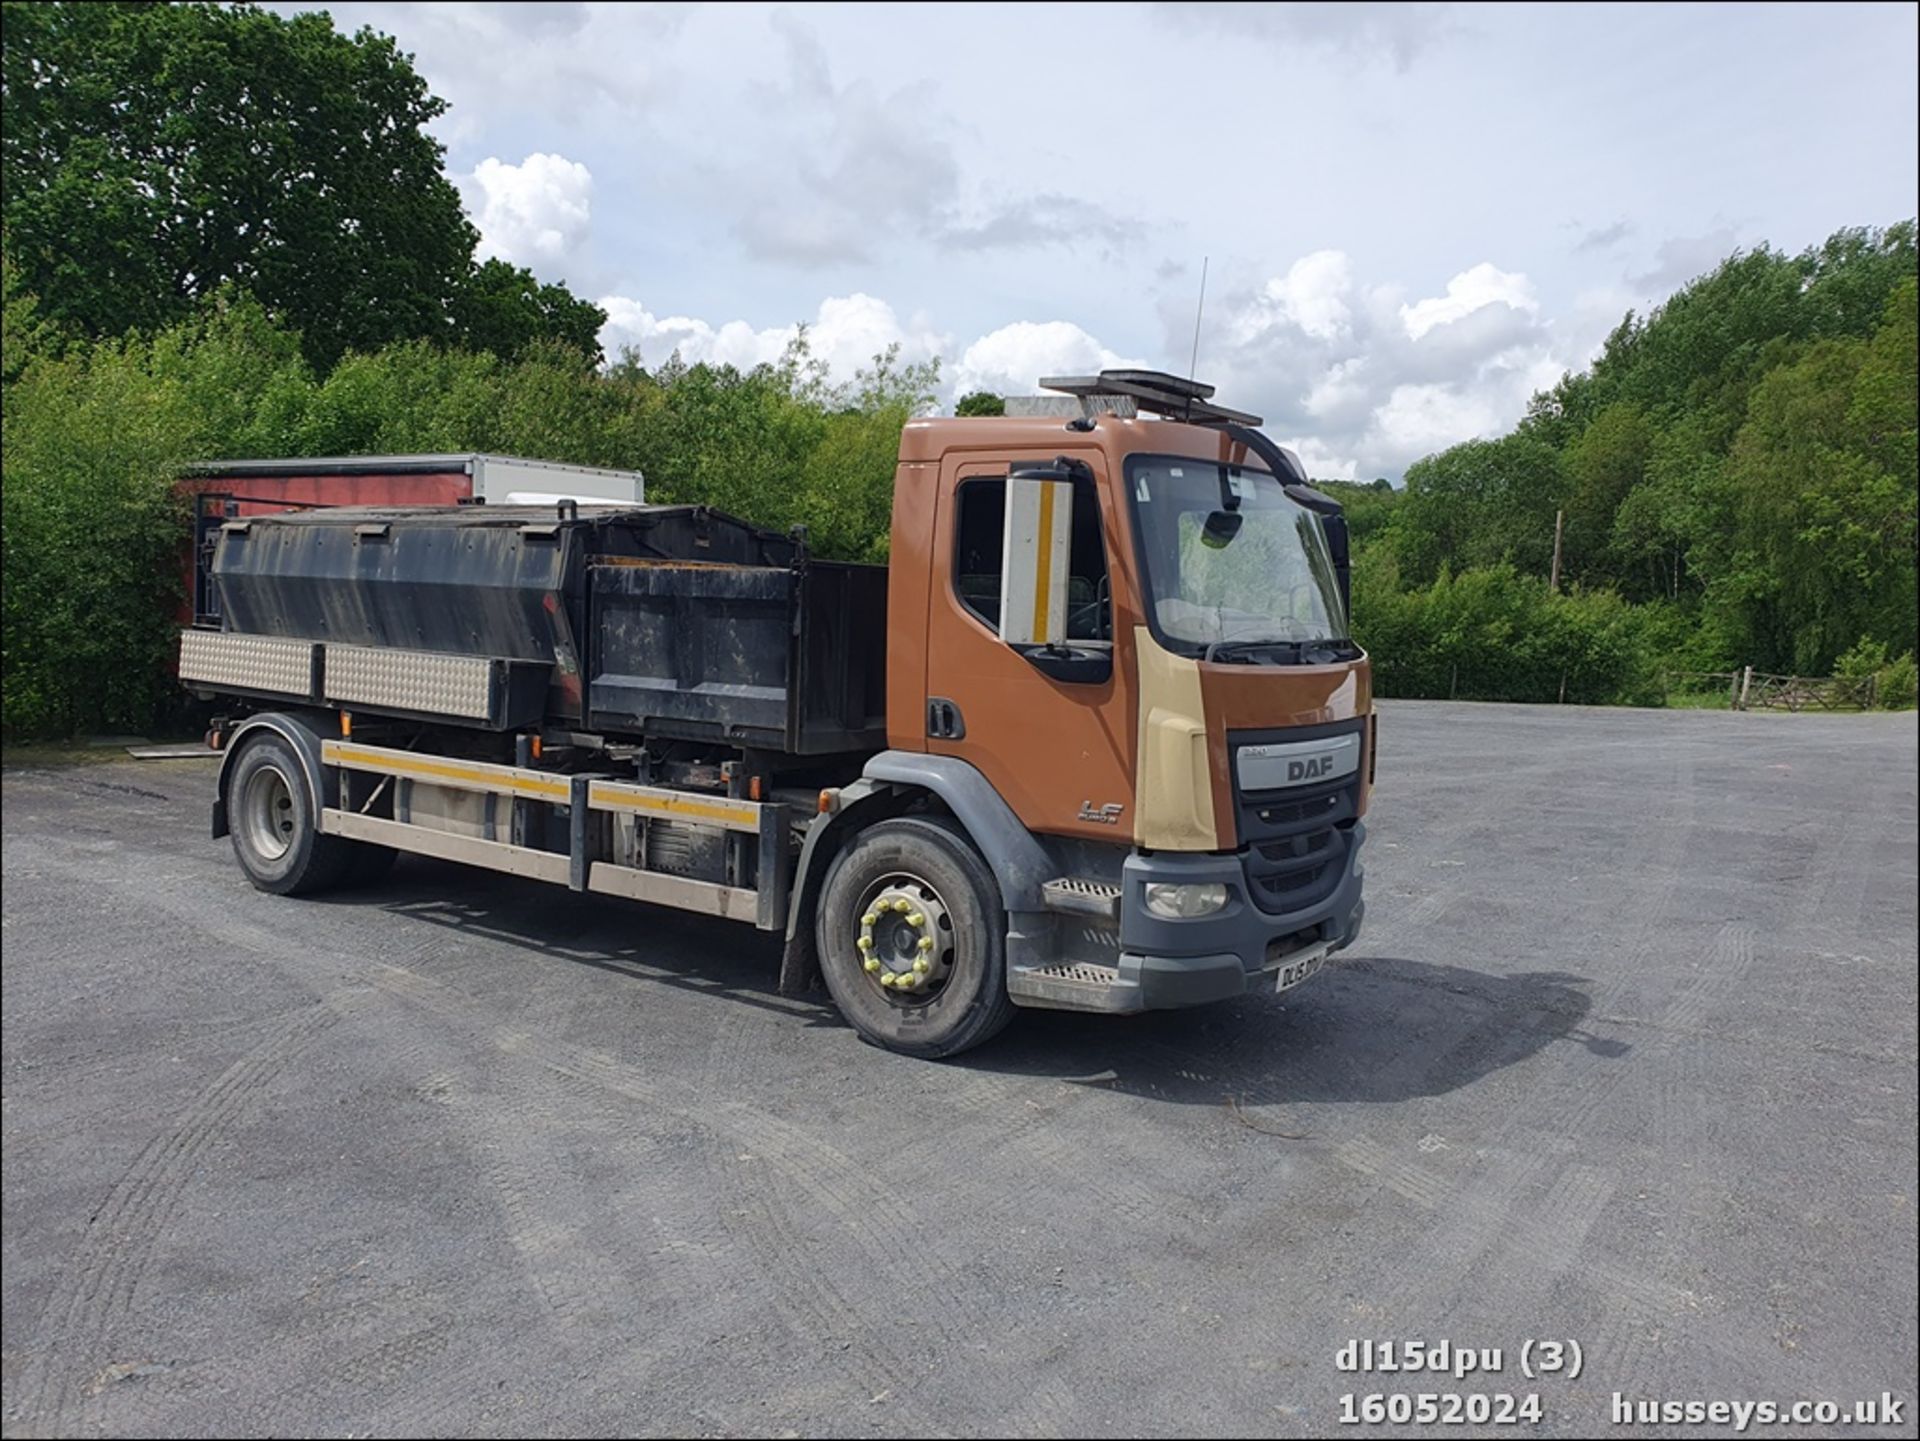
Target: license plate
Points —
{"points": [[1292, 973]]}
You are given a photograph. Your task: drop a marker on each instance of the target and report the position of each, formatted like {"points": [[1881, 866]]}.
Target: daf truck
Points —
{"points": [[1096, 737]]}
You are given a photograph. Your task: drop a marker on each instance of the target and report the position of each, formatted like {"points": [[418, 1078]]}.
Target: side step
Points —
{"points": [[1082, 898], [1075, 986]]}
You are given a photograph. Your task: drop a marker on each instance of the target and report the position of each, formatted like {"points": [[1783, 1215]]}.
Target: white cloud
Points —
{"points": [[1417, 419], [1341, 393], [1009, 360], [1470, 290], [1322, 463], [849, 171], [846, 332], [1362, 381], [1334, 365], [1361, 30], [590, 65], [1313, 293], [535, 213], [1687, 257]]}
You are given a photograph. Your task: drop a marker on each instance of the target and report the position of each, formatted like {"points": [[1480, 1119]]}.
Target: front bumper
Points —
{"points": [[1237, 948], [1163, 964]]}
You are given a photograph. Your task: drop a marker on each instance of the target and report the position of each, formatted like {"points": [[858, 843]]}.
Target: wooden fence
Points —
{"points": [[1750, 689]]}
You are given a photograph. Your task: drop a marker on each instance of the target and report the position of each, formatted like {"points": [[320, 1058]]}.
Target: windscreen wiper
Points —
{"points": [[1312, 652], [1223, 646]]}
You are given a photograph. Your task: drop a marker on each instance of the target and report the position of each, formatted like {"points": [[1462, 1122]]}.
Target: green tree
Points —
{"points": [[505, 308], [1603, 465], [27, 332], [152, 154], [93, 533], [1484, 502], [980, 402], [1823, 486]]}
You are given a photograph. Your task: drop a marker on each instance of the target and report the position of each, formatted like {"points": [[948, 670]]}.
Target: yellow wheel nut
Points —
{"points": [[865, 943], [887, 978], [926, 943], [868, 919], [903, 906], [872, 963], [916, 919], [922, 966]]}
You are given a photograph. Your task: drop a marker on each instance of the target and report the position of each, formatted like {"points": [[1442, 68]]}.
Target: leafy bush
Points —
{"points": [[1866, 657], [1899, 684], [1493, 634], [93, 540]]}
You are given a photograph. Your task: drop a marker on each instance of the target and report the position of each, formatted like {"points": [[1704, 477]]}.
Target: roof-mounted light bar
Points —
{"points": [[1165, 395]]}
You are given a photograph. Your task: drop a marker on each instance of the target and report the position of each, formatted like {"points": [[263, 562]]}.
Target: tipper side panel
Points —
{"points": [[696, 651], [396, 580], [673, 622]]}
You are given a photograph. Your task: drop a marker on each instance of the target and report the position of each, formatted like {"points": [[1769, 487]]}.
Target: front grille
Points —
{"points": [[1297, 839], [1281, 852], [1294, 889], [1293, 813], [1297, 872]]}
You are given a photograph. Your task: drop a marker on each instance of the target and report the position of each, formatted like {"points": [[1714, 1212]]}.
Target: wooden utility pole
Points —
{"points": [[1553, 581]]}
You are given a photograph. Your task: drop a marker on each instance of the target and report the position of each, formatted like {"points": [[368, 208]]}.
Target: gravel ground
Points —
{"points": [[1626, 1057]]}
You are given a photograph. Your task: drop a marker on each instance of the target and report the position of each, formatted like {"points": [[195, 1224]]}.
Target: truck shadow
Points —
{"points": [[681, 949], [1370, 1029], [1367, 1029]]}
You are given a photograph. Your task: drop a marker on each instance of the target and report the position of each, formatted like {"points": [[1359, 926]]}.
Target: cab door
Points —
{"points": [[1051, 732]]}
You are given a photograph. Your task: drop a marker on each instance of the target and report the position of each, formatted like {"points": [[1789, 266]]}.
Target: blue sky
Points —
{"points": [[1415, 215]]}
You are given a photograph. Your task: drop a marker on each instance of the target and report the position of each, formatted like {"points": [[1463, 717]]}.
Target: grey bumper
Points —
{"points": [[1168, 963], [1212, 958]]}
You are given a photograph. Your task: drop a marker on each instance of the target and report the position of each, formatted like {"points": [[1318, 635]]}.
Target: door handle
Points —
{"points": [[944, 721]]}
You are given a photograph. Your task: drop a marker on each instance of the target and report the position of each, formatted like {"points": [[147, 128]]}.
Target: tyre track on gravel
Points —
{"points": [[861, 1203], [858, 1206], [97, 1287]]}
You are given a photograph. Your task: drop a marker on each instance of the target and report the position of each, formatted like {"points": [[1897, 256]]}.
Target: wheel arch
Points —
{"points": [[893, 783], [304, 740]]}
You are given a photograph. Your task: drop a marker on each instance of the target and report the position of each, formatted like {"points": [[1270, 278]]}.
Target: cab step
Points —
{"points": [[1079, 897], [1075, 986]]}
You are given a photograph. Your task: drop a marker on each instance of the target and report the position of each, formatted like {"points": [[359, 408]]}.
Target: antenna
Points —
{"points": [[1193, 365]]}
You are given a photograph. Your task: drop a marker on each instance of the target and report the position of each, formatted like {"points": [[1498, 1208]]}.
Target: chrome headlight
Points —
{"points": [[1185, 902]]}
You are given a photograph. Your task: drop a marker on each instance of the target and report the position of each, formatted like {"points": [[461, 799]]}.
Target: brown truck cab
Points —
{"points": [[1133, 632], [1095, 738]]}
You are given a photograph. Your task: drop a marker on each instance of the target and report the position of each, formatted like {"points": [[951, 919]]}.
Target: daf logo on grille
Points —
{"points": [[1277, 764]]}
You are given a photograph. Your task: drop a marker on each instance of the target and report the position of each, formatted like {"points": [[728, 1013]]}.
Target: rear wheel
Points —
{"points": [[275, 828], [912, 939]]}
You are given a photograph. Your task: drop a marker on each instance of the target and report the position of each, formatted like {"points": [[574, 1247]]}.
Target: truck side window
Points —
{"points": [[978, 540]]}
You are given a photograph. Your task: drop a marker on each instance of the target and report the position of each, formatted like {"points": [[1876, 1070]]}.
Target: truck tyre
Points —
{"points": [[274, 824], [912, 939]]}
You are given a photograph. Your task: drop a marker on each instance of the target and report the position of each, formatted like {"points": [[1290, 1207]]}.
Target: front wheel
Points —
{"points": [[912, 939]]}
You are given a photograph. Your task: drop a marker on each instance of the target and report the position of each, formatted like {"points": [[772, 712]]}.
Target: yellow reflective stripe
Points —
{"points": [[502, 778], [607, 798], [1043, 573], [485, 777]]}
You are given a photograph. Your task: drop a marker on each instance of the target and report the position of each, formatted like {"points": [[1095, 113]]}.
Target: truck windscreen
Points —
{"points": [[1263, 587]]}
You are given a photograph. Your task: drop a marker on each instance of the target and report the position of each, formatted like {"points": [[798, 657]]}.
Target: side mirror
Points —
{"points": [[1339, 550], [1034, 559]]}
